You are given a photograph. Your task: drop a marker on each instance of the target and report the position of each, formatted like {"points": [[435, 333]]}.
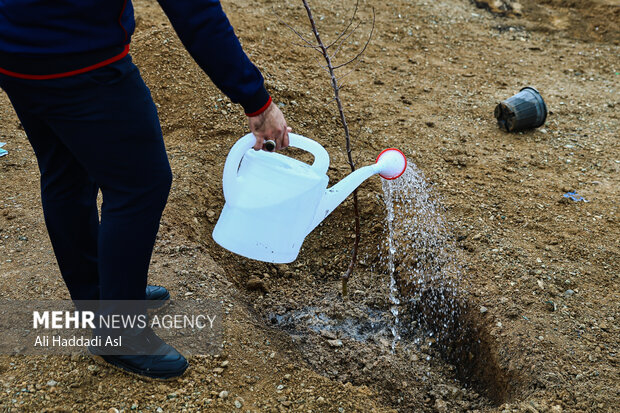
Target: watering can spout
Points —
{"points": [[390, 164]]}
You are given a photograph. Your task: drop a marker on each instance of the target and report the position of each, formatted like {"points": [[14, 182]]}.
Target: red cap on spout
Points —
{"points": [[393, 163]]}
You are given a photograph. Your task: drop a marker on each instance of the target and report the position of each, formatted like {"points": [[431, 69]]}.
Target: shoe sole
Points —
{"points": [[158, 304], [128, 370]]}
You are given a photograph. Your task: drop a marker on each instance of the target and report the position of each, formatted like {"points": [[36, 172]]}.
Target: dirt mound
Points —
{"points": [[595, 20]]}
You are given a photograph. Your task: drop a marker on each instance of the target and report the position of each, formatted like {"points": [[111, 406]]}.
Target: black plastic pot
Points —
{"points": [[525, 110]]}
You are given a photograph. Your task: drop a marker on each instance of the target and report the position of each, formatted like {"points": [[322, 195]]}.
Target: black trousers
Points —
{"points": [[97, 131]]}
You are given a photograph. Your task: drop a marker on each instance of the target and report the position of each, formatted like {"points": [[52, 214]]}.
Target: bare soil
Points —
{"points": [[545, 268]]}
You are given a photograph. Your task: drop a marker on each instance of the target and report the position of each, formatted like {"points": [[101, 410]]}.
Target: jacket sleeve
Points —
{"points": [[207, 34]]}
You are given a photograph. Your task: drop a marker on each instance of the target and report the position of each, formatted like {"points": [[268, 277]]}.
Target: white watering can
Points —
{"points": [[273, 201]]}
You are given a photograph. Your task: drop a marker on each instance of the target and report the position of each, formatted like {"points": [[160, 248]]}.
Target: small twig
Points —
{"points": [[365, 45], [348, 26], [306, 45], [345, 39], [342, 85], [296, 32], [329, 102]]}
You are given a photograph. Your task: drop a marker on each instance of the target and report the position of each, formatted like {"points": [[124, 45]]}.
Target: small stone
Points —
{"points": [[384, 342], [328, 335], [286, 403], [320, 399], [172, 396], [556, 409], [483, 309], [225, 363], [441, 406], [256, 284], [52, 383], [113, 410], [287, 377], [159, 410], [223, 394], [334, 343], [238, 402], [92, 367], [218, 370], [569, 293]]}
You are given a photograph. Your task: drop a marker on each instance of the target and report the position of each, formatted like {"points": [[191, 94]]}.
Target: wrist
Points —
{"points": [[260, 110]]}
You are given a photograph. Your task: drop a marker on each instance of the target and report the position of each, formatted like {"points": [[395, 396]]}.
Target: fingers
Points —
{"points": [[282, 130], [285, 141], [280, 138], [259, 142]]}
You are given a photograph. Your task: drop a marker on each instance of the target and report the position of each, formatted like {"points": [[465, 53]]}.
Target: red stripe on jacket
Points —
{"points": [[71, 73]]}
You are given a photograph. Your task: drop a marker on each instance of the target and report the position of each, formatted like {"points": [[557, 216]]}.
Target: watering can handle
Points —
{"points": [[320, 164], [321, 157]]}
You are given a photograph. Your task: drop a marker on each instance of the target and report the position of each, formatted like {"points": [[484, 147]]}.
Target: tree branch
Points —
{"points": [[346, 28], [308, 43], [344, 40], [343, 120], [372, 29]]}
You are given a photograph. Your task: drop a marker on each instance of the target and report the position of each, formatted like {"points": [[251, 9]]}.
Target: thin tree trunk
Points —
{"points": [[345, 126]]}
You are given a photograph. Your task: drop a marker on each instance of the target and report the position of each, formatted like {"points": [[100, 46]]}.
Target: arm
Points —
{"points": [[208, 36]]}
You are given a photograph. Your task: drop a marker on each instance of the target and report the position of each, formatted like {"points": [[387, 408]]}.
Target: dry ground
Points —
{"points": [[547, 269]]}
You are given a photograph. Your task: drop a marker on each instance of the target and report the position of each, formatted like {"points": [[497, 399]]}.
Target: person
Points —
{"points": [[93, 125]]}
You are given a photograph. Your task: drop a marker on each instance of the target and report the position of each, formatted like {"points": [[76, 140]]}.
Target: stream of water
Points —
{"points": [[419, 256]]}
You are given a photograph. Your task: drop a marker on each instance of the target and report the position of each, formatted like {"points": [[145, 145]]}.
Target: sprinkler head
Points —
{"points": [[392, 163]]}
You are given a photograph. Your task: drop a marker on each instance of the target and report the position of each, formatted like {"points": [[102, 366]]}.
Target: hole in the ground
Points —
{"points": [[461, 338], [445, 352]]}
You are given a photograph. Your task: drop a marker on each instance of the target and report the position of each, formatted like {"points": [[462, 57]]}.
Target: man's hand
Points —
{"points": [[270, 125]]}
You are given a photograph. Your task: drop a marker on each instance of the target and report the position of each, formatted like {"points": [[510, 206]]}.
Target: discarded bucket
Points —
{"points": [[525, 110]]}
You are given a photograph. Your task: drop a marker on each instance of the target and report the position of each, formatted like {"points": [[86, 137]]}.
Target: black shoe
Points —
{"points": [[145, 354], [156, 296]]}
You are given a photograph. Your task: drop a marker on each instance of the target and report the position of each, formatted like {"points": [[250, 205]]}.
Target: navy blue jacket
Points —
{"points": [[44, 39]]}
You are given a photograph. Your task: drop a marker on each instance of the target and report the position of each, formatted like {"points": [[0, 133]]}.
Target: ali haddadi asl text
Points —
{"points": [[77, 341]]}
